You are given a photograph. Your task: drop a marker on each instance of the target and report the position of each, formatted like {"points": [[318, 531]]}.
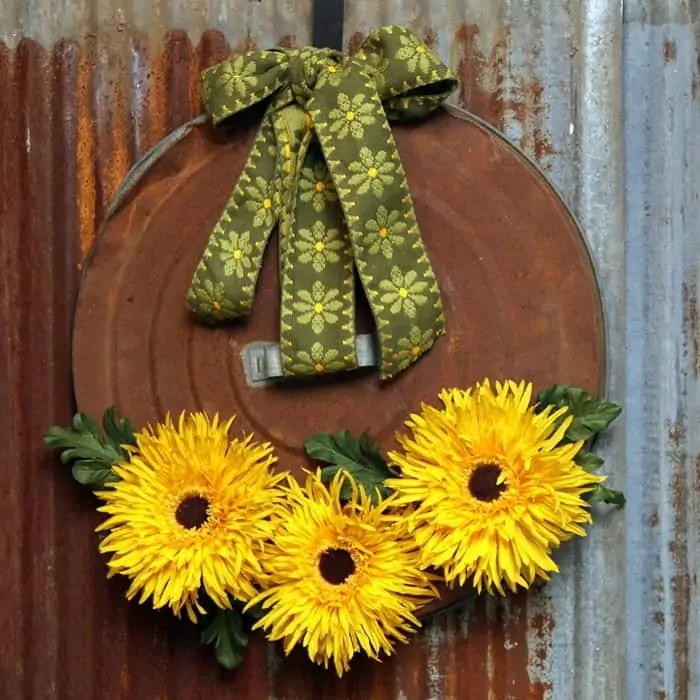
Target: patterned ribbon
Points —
{"points": [[324, 168]]}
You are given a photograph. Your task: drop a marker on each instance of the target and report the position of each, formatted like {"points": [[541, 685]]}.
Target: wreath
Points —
{"points": [[484, 484]]}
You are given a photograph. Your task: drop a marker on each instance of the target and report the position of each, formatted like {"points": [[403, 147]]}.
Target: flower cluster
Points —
{"points": [[480, 493]]}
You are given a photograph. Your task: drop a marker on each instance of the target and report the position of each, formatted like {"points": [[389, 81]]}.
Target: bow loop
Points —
{"points": [[411, 79], [324, 166], [237, 83]]}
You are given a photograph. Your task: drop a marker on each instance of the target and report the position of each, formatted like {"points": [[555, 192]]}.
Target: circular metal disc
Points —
{"points": [[519, 289]]}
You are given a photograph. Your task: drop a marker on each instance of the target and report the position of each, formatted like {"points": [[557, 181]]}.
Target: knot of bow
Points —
{"points": [[325, 170]]}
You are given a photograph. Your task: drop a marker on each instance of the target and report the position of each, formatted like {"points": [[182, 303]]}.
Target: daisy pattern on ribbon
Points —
{"points": [[351, 116], [373, 172], [210, 297], [235, 251], [318, 307], [319, 245], [316, 186], [418, 57], [235, 78], [404, 291], [384, 232], [260, 199], [318, 360]]}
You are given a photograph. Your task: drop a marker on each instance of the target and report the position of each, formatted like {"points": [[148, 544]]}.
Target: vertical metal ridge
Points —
{"points": [[600, 671], [72, 542], [13, 535], [37, 321], [663, 250]]}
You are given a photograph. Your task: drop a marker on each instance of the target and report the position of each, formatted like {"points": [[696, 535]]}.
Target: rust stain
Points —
{"points": [[182, 78], [125, 682], [429, 37], [154, 92], [355, 42], [692, 320], [288, 41], [678, 548], [669, 51], [14, 675], [680, 587], [542, 624], [482, 80], [86, 192], [113, 149], [676, 439], [506, 632]]}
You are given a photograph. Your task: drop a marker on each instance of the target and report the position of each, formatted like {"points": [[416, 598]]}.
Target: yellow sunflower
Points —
{"points": [[344, 577], [190, 511], [491, 493]]}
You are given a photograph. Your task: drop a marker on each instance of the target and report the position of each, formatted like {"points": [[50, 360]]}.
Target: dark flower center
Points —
{"points": [[483, 483], [193, 512], [336, 566]]}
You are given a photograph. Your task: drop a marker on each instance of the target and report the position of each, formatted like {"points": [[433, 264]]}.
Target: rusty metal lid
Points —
{"points": [[520, 293]]}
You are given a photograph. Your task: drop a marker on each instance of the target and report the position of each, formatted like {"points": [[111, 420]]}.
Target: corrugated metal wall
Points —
{"points": [[605, 100]]}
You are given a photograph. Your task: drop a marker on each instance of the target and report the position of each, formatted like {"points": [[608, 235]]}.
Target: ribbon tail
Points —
{"points": [[224, 282], [317, 311], [389, 252]]}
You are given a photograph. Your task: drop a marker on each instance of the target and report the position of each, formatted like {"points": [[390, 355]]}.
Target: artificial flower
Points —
{"points": [[344, 576], [190, 511], [490, 489]]}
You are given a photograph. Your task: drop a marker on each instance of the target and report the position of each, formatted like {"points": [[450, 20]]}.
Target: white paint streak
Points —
{"points": [[435, 638]]}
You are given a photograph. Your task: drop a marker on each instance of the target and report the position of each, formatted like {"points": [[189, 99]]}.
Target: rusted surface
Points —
{"points": [[74, 117], [521, 266], [482, 76]]}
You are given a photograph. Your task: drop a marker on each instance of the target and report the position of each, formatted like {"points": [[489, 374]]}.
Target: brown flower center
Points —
{"points": [[193, 512], [336, 566], [483, 483]]}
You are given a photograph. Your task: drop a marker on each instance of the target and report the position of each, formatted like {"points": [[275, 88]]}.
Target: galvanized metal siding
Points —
{"points": [[85, 88], [662, 141]]}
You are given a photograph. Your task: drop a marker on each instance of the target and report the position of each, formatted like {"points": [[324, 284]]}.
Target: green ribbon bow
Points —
{"points": [[324, 168]]}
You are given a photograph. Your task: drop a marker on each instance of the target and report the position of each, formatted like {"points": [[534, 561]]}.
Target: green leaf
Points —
{"points": [[370, 481], [589, 461], [592, 415], [224, 630], [372, 453], [93, 473], [360, 458], [85, 424], [120, 432], [602, 494], [90, 451]]}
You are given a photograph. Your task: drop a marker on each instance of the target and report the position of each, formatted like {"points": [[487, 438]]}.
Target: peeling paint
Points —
{"points": [[483, 91], [669, 51], [692, 319]]}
